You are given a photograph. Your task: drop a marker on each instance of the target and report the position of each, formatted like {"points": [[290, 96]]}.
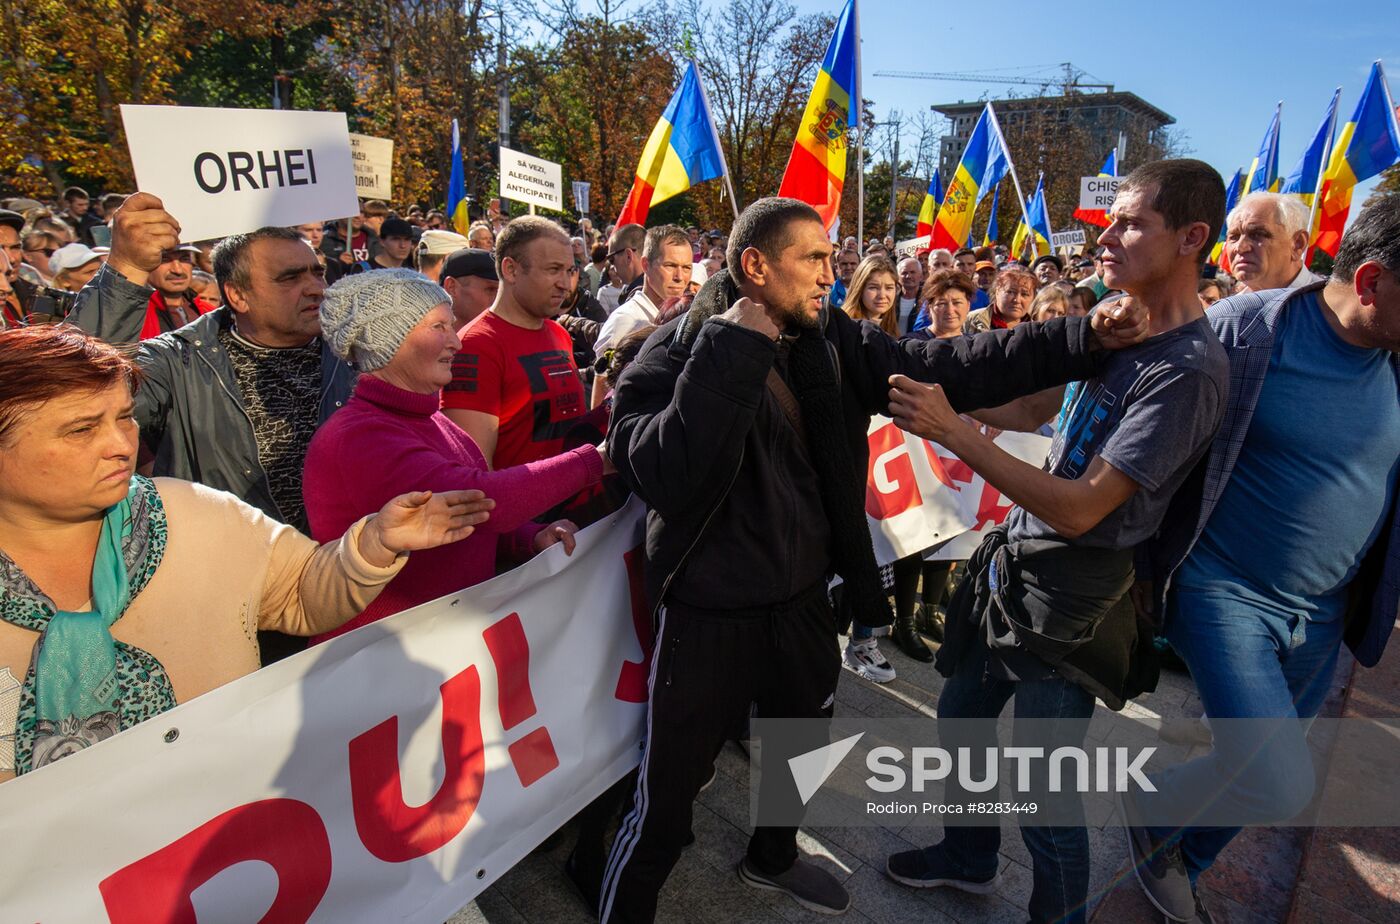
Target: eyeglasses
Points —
{"points": [[617, 253], [46, 251]]}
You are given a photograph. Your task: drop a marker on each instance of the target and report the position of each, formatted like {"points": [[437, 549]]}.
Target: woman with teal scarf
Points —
{"points": [[121, 595]]}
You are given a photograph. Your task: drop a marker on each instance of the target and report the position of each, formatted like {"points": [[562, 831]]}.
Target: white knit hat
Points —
{"points": [[365, 317]]}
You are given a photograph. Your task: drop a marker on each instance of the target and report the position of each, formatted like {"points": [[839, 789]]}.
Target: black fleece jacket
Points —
{"points": [[735, 519]]}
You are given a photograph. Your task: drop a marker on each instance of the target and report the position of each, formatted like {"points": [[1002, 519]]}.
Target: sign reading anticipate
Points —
{"points": [[530, 179], [223, 171]]}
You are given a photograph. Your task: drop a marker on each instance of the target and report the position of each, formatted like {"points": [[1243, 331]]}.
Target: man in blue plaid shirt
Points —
{"points": [[1308, 459]]}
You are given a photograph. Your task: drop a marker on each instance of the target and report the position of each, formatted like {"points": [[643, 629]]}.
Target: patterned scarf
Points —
{"points": [[83, 686]]}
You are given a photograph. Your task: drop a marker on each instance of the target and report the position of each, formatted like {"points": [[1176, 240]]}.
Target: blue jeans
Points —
{"points": [[1060, 855], [1248, 662]]}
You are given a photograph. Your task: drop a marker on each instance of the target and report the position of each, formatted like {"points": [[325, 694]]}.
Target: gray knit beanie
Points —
{"points": [[365, 317]]}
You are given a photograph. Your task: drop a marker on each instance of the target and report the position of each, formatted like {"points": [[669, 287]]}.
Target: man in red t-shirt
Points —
{"points": [[515, 389]]}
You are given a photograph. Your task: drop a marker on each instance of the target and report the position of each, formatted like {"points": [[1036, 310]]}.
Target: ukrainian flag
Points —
{"points": [[1303, 179], [1099, 216], [816, 169], [984, 162], [1262, 175], [1232, 198], [1368, 144], [929, 209], [457, 187], [990, 237], [683, 150], [1038, 233]]}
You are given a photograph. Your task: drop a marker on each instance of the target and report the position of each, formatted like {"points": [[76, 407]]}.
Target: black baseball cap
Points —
{"points": [[13, 219], [1049, 258], [396, 227], [470, 261]]}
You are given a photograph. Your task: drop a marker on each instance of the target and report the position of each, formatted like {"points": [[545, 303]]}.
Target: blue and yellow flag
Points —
{"points": [[1038, 233], [984, 162], [457, 187], [929, 209], [816, 168], [1306, 175], [1262, 175], [1232, 198]]}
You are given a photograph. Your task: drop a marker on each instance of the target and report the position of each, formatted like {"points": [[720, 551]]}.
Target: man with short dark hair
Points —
{"points": [[395, 245], [1287, 547], [1063, 561], [846, 263], [22, 291], [625, 253], [515, 387], [742, 424], [173, 304], [666, 271], [232, 399]]}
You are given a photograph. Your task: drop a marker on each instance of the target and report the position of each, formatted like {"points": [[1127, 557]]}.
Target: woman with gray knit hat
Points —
{"points": [[396, 328]]}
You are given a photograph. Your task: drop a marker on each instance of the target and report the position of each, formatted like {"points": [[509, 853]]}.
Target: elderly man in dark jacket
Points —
{"points": [[232, 399], [742, 425]]}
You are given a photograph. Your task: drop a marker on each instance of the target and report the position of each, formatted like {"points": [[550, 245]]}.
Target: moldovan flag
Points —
{"points": [[1306, 175], [1038, 233], [683, 150], [1232, 198], [1099, 216], [816, 169], [984, 162], [1262, 175], [457, 187], [990, 238], [929, 209], [1368, 144]]}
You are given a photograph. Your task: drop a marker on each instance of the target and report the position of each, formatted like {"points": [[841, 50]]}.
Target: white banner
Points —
{"points": [[223, 171], [911, 247], [1097, 193], [919, 494], [390, 774], [373, 160], [1073, 238], [531, 179]]}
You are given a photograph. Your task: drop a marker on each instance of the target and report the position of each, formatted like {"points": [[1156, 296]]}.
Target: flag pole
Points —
{"points": [[1322, 173], [1010, 166], [714, 130], [859, 103]]}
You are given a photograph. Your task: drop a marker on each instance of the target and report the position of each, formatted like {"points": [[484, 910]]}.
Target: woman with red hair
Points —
{"points": [[110, 610]]}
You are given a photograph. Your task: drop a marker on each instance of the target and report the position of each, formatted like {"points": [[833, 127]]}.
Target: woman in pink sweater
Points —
{"points": [[397, 329]]}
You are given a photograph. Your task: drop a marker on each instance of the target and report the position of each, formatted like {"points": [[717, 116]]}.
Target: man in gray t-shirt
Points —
{"points": [[1129, 439]]}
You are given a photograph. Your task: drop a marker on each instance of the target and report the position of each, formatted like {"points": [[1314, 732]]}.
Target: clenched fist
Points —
{"points": [[142, 231], [750, 314]]}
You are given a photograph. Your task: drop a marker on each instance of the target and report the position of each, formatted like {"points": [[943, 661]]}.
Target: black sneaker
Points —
{"points": [[1158, 866], [810, 886], [929, 868]]}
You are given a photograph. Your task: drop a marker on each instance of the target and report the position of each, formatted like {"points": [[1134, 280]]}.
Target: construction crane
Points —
{"points": [[1070, 80]]}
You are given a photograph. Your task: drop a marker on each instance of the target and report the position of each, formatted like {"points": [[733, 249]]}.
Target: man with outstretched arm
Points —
{"points": [[1043, 615], [742, 424]]}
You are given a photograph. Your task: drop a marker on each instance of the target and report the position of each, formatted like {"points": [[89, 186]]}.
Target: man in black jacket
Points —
{"points": [[742, 425]]}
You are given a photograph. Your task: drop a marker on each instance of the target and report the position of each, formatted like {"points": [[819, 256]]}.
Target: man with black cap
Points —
{"points": [[395, 244], [1048, 268], [11, 225], [469, 276]]}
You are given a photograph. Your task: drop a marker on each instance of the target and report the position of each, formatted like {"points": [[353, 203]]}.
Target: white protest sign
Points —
{"points": [[1096, 193], [373, 159], [525, 178], [910, 247], [390, 774], [1073, 238], [222, 171], [920, 494]]}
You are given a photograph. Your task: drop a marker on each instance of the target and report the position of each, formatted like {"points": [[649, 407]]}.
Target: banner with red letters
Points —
{"points": [[919, 494], [390, 774]]}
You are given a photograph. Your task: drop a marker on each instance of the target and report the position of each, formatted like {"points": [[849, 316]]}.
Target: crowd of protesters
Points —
{"points": [[519, 377]]}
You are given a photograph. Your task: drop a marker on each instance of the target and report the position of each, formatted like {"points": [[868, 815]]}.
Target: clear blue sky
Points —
{"points": [[1218, 69]]}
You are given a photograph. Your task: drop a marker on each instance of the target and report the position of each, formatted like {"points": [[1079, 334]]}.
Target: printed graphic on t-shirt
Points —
{"points": [[1084, 431], [557, 396]]}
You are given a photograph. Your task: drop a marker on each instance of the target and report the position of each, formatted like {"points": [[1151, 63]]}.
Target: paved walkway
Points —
{"points": [[1347, 877]]}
